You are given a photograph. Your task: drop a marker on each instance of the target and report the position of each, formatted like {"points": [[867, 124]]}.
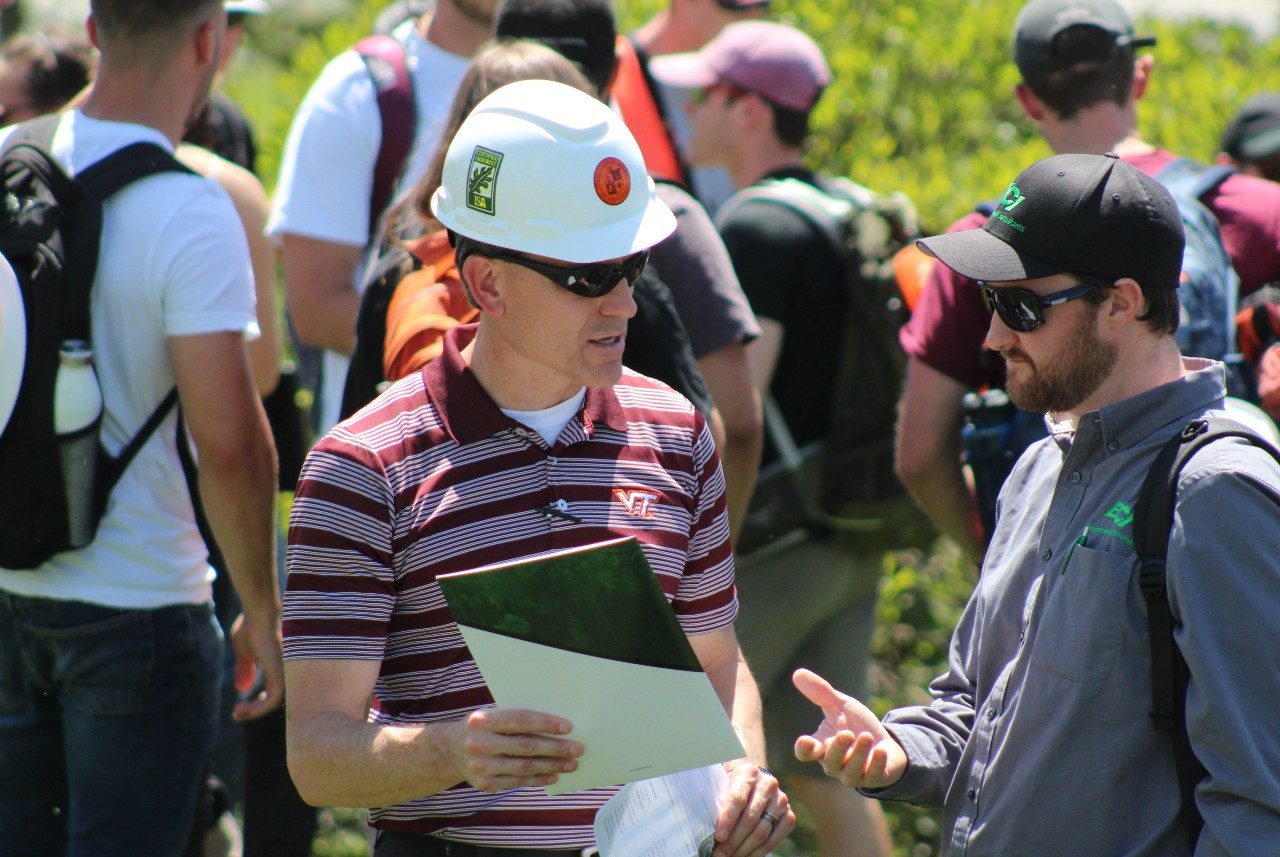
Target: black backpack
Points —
{"points": [[846, 482], [1153, 522], [50, 227]]}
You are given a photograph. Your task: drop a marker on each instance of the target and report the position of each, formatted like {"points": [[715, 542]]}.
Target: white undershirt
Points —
{"points": [[549, 422]]}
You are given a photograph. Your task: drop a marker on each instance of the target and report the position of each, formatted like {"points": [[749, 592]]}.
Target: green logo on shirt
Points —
{"points": [[482, 180], [1121, 514]]}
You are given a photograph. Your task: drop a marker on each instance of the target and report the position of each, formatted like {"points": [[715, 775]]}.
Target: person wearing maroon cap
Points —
{"points": [[807, 602], [682, 26], [1040, 736], [1082, 79]]}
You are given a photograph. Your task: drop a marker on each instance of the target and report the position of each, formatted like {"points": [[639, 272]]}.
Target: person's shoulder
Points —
{"points": [[974, 219], [1228, 461], [649, 400], [380, 428]]}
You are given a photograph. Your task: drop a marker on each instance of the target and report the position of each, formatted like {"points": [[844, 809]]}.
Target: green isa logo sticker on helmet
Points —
{"points": [[482, 179]]}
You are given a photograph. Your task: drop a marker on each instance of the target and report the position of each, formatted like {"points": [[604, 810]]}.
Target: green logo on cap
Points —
{"points": [[482, 180], [1012, 199]]}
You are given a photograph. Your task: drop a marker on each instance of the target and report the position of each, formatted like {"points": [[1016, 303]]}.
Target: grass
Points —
{"points": [[921, 596]]}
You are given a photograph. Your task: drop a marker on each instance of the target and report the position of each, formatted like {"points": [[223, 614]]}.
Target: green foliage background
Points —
{"points": [[922, 102]]}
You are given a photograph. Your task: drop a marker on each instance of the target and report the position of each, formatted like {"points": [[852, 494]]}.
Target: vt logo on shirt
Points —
{"points": [[639, 504]]}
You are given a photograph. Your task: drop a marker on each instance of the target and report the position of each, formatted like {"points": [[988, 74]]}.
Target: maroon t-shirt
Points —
{"points": [[949, 324]]}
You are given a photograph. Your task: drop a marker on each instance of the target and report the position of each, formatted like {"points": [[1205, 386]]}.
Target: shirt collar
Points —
{"points": [[1128, 423], [470, 415]]}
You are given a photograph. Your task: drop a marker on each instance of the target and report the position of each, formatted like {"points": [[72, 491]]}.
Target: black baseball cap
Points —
{"points": [[1038, 48], [1254, 132], [1081, 214]]}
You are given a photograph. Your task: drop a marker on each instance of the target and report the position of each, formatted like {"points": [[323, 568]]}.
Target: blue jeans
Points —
{"points": [[106, 721]]}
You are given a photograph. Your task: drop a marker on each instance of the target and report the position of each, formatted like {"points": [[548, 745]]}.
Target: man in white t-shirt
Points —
{"points": [[321, 209], [110, 659]]}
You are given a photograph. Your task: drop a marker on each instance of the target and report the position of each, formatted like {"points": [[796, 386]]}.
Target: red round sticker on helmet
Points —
{"points": [[613, 181]]}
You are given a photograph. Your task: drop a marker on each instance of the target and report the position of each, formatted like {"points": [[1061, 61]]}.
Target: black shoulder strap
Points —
{"points": [[122, 167], [1153, 521], [192, 474], [111, 469]]}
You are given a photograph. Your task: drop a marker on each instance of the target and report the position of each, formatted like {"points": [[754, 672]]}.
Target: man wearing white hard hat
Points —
{"points": [[525, 436]]}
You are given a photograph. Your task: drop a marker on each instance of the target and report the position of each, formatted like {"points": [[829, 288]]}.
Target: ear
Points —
{"points": [[481, 278], [752, 112], [1142, 75], [91, 29], [1031, 105], [206, 44], [1125, 303]]}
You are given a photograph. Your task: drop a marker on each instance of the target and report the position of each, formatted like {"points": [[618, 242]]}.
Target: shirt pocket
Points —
{"points": [[1083, 623]]}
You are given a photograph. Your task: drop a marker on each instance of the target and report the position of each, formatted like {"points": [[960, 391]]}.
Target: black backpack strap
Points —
{"points": [[1194, 179], [1153, 521], [192, 474], [384, 59], [122, 167], [111, 469]]}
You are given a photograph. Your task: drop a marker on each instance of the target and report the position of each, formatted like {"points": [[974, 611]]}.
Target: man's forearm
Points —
{"points": [[238, 492], [740, 461], [338, 761], [941, 491]]}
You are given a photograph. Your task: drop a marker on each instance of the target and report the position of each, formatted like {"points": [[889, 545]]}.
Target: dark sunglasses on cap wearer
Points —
{"points": [[1022, 310], [586, 281], [702, 93]]}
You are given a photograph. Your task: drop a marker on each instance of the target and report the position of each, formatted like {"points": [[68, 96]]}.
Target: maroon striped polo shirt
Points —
{"points": [[432, 478]]}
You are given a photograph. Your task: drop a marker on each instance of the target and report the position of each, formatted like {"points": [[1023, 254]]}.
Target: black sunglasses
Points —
{"points": [[586, 281], [1022, 310]]}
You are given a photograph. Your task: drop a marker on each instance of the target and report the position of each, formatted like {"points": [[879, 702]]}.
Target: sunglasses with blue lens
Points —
{"points": [[1022, 310]]}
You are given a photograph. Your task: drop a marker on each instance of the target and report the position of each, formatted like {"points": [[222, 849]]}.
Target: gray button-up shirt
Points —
{"points": [[1039, 740]]}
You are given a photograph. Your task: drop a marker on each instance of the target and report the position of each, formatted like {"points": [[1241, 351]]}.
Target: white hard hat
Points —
{"points": [[250, 7], [1251, 416], [540, 167]]}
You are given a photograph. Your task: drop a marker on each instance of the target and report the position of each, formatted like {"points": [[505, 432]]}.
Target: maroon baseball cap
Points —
{"points": [[775, 61]]}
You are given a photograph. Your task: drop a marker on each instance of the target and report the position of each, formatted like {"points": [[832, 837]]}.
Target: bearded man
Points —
{"points": [[1038, 738]]}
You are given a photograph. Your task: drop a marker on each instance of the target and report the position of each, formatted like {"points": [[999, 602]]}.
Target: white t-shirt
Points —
{"points": [[549, 422], [173, 262], [326, 174]]}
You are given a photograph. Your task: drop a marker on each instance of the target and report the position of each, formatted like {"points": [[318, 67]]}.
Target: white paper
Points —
{"points": [[634, 721], [671, 816]]}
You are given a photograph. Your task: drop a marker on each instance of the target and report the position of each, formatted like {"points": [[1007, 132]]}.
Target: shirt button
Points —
{"points": [[1075, 476], [551, 460], [973, 794], [991, 714], [1022, 636], [1046, 554], [1113, 446]]}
